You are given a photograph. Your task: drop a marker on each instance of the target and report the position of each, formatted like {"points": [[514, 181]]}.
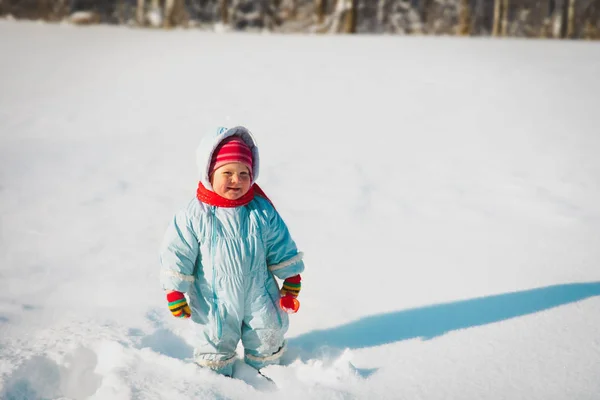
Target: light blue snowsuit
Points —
{"points": [[225, 260]]}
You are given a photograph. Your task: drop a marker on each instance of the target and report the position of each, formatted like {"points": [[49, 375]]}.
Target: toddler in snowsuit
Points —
{"points": [[223, 250]]}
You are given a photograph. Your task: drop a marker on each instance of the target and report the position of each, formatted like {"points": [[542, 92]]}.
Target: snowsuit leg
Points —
{"points": [[217, 332], [265, 324]]}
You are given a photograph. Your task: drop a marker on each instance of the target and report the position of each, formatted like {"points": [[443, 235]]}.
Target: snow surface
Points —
{"points": [[446, 193]]}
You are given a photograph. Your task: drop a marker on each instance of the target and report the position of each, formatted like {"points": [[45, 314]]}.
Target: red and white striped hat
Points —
{"points": [[232, 149]]}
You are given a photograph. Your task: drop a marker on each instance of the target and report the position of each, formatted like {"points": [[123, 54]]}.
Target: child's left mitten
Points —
{"points": [[178, 305], [289, 293]]}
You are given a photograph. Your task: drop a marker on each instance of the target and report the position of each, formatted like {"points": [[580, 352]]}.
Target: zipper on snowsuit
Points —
{"points": [[213, 237]]}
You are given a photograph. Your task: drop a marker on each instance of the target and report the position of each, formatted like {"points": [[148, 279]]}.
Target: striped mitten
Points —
{"points": [[178, 305], [289, 293]]}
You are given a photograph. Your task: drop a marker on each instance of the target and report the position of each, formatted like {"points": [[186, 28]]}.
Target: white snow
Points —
{"points": [[446, 193]]}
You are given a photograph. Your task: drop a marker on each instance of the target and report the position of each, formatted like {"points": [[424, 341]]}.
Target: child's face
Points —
{"points": [[231, 181]]}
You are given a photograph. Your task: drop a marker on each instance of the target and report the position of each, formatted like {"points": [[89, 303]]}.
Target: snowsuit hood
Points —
{"points": [[211, 141]]}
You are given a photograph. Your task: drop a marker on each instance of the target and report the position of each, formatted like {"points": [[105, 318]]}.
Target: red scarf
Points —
{"points": [[209, 197]]}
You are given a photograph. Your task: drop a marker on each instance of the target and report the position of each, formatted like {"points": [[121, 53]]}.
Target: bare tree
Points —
{"points": [[338, 16], [505, 7], [571, 19], [497, 17], [542, 21], [350, 17], [169, 6], [464, 18], [562, 18], [175, 14], [500, 17], [321, 8], [224, 11], [140, 13], [591, 26]]}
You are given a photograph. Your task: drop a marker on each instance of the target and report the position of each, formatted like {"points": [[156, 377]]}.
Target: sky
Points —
{"points": [[445, 192]]}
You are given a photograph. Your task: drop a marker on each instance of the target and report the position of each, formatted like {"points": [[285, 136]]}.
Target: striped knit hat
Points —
{"points": [[232, 149]]}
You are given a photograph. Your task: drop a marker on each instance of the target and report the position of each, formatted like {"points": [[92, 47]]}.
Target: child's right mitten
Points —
{"points": [[178, 305], [289, 293]]}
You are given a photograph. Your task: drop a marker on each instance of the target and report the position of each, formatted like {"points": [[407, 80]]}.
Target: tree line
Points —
{"points": [[574, 19]]}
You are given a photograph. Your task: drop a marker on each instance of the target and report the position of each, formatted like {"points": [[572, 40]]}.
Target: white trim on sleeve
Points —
{"points": [[179, 275], [296, 259]]}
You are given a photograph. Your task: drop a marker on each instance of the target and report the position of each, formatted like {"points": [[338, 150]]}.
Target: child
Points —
{"points": [[223, 250]]}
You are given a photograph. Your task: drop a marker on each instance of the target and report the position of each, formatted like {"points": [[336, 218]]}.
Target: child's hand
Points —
{"points": [[178, 305], [289, 293], [289, 304]]}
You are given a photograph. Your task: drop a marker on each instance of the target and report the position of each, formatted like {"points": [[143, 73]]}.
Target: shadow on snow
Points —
{"points": [[432, 321]]}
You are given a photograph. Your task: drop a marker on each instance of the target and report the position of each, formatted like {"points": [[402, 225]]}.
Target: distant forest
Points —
{"points": [[562, 19]]}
